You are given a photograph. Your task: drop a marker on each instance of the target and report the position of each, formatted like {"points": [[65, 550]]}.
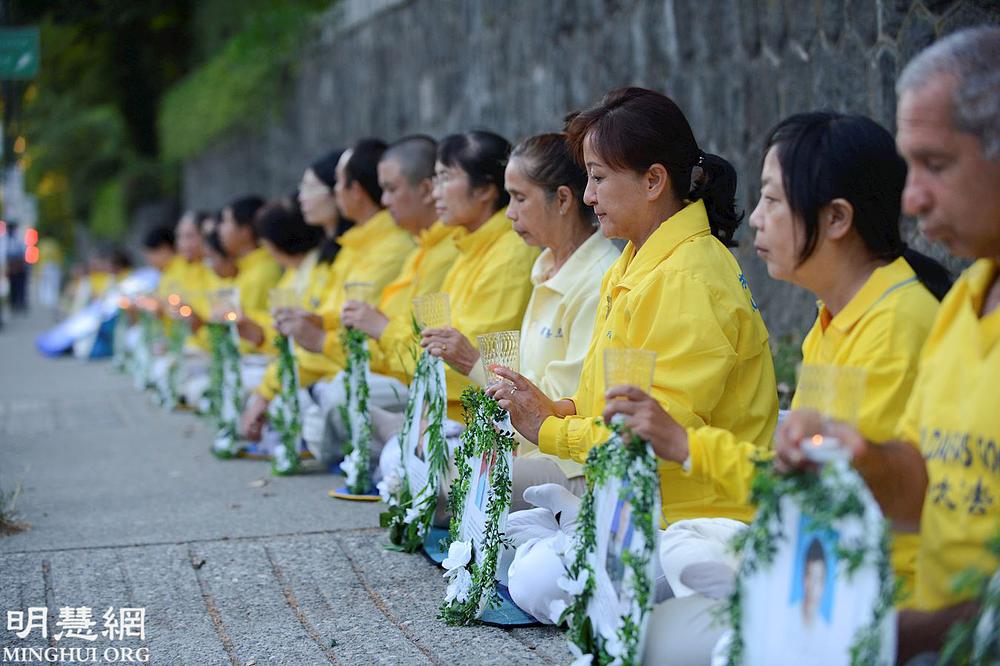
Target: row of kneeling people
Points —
{"points": [[523, 237]]}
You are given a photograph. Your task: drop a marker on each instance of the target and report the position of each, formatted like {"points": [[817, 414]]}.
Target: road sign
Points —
{"points": [[18, 53]]}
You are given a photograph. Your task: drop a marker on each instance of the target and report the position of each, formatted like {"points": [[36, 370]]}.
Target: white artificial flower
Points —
{"points": [[579, 658], [412, 514], [350, 467], [459, 554], [389, 487], [614, 646], [459, 587], [574, 586], [281, 461]]}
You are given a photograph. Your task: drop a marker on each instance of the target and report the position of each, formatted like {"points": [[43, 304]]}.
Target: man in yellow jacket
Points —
{"points": [[942, 471], [405, 174]]}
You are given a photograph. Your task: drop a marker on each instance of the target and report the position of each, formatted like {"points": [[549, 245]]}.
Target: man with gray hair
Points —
{"points": [[942, 473]]}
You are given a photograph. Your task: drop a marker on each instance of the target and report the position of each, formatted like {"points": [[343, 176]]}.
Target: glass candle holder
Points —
{"points": [[629, 367], [499, 349], [363, 292], [432, 310]]}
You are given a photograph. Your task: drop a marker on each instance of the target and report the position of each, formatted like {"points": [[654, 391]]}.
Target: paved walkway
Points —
{"points": [[127, 508]]}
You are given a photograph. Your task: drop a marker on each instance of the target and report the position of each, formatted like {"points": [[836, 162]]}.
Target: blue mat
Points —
{"points": [[432, 544], [508, 614]]}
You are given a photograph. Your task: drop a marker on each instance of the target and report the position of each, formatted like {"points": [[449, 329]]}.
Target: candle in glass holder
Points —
{"points": [[824, 448]]}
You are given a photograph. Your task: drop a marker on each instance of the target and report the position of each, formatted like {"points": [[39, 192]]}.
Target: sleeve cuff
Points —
{"points": [[695, 463], [552, 437]]}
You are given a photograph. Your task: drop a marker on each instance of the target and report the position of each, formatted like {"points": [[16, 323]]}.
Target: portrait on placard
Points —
{"points": [[804, 608], [616, 535]]}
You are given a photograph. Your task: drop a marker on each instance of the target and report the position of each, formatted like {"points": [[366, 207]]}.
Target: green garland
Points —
{"points": [[357, 418], [485, 432], [119, 352], [832, 495], [286, 418], [169, 391], [975, 641], [411, 510], [228, 390], [627, 457], [215, 370], [142, 365]]}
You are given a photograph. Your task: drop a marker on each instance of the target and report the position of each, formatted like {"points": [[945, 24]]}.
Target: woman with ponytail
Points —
{"points": [[828, 221], [676, 290]]}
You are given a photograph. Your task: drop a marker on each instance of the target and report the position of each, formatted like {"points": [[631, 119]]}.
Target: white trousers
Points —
{"points": [[385, 393]]}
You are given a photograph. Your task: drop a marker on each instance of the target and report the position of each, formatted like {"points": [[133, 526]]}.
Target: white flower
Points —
{"points": [[389, 487], [350, 467], [459, 554], [574, 586], [579, 658], [281, 460], [614, 646], [556, 609], [459, 587], [412, 514]]}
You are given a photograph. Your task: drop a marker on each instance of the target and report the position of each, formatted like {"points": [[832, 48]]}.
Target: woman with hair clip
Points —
{"points": [[676, 290], [828, 221]]}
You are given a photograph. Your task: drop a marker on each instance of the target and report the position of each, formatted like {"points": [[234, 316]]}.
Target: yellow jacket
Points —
{"points": [[882, 330], [372, 252], [953, 415], [423, 272], [683, 296], [488, 288], [258, 274]]}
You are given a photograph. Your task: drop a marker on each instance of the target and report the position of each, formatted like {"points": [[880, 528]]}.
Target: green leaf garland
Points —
{"points": [[482, 435], [357, 459], [411, 510], [286, 417], [831, 495], [626, 457]]}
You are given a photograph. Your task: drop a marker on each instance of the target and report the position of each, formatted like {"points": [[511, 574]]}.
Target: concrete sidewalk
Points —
{"points": [[127, 508]]}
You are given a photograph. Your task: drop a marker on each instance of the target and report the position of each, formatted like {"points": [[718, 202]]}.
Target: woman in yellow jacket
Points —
{"points": [[676, 290], [832, 228], [489, 284], [828, 221]]}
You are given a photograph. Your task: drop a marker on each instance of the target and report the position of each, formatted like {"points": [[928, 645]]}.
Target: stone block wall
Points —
{"points": [[391, 67]]}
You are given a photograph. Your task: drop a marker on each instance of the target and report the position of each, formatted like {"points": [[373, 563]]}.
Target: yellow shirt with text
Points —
{"points": [[558, 325], [954, 416]]}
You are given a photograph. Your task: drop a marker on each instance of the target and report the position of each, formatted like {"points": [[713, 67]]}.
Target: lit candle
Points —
{"points": [[822, 449]]}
